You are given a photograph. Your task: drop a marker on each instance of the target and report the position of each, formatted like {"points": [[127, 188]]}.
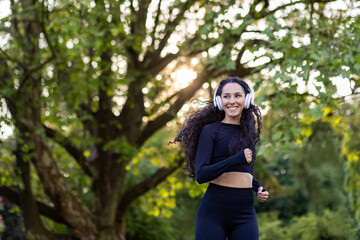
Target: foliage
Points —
{"points": [[327, 225], [147, 227]]}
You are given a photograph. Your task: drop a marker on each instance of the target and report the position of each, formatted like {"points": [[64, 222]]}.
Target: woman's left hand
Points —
{"points": [[262, 196]]}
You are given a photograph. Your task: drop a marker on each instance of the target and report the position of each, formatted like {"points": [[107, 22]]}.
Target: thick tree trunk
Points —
{"points": [[70, 207], [117, 232], [34, 228]]}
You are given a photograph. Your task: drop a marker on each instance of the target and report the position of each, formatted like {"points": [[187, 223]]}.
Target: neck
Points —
{"points": [[230, 120]]}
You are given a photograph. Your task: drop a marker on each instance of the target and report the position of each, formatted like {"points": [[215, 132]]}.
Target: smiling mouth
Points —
{"points": [[232, 107]]}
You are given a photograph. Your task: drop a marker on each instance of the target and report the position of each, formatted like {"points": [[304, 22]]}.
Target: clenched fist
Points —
{"points": [[262, 196], [248, 155]]}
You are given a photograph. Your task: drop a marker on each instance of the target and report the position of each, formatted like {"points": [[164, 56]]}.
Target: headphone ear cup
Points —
{"points": [[247, 101], [214, 102], [218, 102], [249, 98]]}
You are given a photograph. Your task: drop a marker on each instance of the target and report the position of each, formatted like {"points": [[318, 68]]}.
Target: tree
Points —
{"points": [[92, 80]]}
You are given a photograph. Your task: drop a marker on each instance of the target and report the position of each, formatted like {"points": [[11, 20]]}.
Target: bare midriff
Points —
{"points": [[234, 179]]}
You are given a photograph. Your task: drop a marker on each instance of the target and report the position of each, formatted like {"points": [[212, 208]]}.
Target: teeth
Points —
{"points": [[232, 107]]}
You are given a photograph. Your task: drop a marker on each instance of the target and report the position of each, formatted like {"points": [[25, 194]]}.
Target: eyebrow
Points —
{"points": [[234, 93]]}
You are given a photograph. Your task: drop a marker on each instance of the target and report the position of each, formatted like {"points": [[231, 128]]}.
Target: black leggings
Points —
{"points": [[226, 212]]}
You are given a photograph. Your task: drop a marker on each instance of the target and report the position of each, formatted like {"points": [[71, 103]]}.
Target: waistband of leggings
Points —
{"points": [[229, 196], [226, 189]]}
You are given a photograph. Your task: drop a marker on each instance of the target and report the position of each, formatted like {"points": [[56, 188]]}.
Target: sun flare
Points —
{"points": [[183, 77]]}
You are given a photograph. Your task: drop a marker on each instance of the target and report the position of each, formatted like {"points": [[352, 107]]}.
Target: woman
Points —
{"points": [[219, 142]]}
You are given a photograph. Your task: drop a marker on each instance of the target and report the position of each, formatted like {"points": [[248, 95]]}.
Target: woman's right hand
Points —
{"points": [[248, 155]]}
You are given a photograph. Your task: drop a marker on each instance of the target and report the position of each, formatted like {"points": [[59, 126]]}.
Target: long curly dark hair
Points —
{"points": [[190, 132]]}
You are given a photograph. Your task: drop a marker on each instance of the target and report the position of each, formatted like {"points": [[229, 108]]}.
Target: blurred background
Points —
{"points": [[92, 92]]}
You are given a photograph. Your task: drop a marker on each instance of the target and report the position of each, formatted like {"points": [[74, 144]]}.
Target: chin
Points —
{"points": [[233, 115]]}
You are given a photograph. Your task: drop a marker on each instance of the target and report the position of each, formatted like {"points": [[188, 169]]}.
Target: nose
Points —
{"points": [[232, 100]]}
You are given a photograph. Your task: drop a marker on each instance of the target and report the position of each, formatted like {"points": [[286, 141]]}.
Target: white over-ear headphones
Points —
{"points": [[217, 100], [249, 99]]}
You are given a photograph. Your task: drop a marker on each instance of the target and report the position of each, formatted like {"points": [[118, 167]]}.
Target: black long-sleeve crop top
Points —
{"points": [[213, 157]]}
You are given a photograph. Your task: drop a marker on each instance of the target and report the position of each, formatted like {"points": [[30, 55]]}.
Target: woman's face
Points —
{"points": [[233, 100]]}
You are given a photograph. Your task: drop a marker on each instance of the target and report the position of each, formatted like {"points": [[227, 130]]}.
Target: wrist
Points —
{"points": [[242, 157]]}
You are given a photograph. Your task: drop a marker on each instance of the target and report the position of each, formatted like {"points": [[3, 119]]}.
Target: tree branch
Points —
{"points": [[133, 12], [141, 16], [170, 26], [156, 64], [38, 67], [22, 65], [156, 22], [14, 23], [243, 72], [133, 110], [160, 64], [187, 51], [13, 196], [105, 104], [183, 96], [265, 13], [252, 42], [47, 39], [4, 73], [76, 153], [137, 29], [147, 184]]}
